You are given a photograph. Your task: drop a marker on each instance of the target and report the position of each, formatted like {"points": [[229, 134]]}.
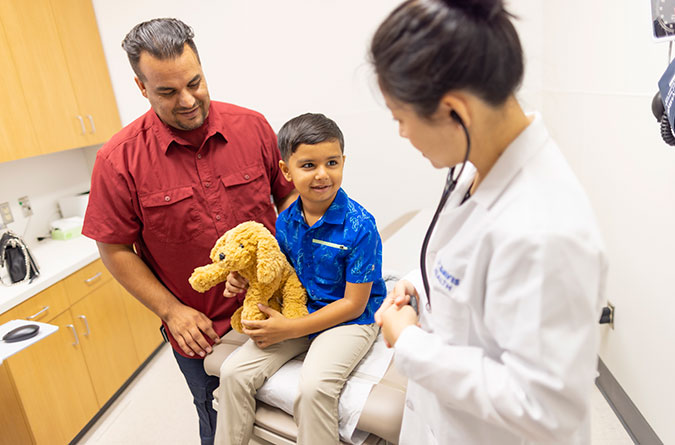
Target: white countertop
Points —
{"points": [[56, 260]]}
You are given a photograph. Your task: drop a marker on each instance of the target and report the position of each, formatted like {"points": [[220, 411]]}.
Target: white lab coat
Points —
{"points": [[507, 353]]}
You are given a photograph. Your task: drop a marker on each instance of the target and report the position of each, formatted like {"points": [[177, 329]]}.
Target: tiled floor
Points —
{"points": [[157, 409]]}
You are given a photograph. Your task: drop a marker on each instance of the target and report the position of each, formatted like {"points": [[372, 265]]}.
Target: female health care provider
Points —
{"points": [[513, 268]]}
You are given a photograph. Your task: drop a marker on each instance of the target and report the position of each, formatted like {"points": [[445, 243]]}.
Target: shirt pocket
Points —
{"points": [[170, 216], [329, 262], [248, 191]]}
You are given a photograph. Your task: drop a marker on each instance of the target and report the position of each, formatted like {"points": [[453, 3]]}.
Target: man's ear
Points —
{"points": [[285, 171], [141, 86]]}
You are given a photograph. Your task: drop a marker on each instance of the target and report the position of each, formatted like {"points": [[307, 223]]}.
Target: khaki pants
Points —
{"points": [[331, 357]]}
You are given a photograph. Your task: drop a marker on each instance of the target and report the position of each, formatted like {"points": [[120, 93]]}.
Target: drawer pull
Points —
{"points": [[77, 339], [91, 121], [89, 280], [86, 323], [35, 315], [84, 130]]}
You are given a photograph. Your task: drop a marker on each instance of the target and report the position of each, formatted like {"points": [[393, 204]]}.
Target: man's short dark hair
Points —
{"points": [[310, 129], [161, 38]]}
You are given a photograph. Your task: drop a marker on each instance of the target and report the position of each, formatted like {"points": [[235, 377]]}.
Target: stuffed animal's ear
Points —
{"points": [[270, 259]]}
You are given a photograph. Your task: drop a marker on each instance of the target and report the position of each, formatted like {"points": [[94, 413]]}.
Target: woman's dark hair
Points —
{"points": [[426, 48], [161, 38], [310, 129]]}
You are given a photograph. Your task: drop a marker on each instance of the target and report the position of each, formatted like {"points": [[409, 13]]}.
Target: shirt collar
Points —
{"points": [[528, 143], [335, 214], [166, 136]]}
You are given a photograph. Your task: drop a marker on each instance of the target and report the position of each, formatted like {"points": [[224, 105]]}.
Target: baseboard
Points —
{"points": [[635, 424]]}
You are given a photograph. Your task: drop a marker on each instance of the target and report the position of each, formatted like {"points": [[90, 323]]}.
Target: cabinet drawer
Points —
{"points": [[41, 307], [85, 280]]}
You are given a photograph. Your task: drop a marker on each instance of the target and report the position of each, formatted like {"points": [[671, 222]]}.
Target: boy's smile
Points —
{"points": [[316, 172]]}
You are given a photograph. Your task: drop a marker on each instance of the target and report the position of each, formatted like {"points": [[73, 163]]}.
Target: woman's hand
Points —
{"points": [[399, 296], [234, 285], [394, 320], [264, 333]]}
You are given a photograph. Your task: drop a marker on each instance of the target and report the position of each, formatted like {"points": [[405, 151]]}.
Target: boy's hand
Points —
{"points": [[234, 285], [394, 320], [268, 332], [399, 296]]}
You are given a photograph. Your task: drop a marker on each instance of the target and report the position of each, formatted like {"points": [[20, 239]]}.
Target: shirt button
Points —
{"points": [[167, 198], [246, 176], [207, 184], [199, 156], [218, 217], [409, 404]]}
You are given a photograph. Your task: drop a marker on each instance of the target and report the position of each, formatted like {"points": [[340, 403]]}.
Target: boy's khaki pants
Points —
{"points": [[331, 357]]}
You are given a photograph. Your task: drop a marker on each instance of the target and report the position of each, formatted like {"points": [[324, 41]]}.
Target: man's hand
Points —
{"points": [[394, 320], [399, 296], [268, 332], [188, 326], [234, 285]]}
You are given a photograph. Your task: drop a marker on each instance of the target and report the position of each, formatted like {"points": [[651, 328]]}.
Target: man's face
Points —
{"points": [[176, 89]]}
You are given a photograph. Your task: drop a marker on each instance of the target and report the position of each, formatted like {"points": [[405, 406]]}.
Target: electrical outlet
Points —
{"points": [[6, 213], [24, 203]]}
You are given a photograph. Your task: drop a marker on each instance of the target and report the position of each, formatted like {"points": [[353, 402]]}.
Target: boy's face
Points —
{"points": [[316, 172]]}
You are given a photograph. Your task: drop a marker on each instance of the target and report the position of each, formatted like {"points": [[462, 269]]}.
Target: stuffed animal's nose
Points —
{"points": [[221, 256]]}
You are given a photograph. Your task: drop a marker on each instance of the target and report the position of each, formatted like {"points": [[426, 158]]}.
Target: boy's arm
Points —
{"points": [[278, 328]]}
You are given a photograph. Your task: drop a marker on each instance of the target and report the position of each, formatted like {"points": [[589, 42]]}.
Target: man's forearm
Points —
{"points": [[137, 278]]}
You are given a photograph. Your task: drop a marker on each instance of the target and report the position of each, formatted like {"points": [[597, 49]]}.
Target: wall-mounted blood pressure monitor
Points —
{"points": [[663, 19]]}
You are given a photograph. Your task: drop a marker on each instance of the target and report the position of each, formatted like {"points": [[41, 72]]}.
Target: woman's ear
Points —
{"points": [[454, 105], [285, 171]]}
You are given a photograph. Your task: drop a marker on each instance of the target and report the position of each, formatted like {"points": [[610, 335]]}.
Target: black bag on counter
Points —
{"points": [[15, 257]]}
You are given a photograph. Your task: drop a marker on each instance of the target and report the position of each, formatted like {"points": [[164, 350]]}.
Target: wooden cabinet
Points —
{"points": [[58, 68], [107, 344], [146, 325], [53, 383], [57, 385], [16, 128]]}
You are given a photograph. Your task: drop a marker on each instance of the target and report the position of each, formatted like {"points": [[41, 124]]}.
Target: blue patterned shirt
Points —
{"points": [[343, 246]]}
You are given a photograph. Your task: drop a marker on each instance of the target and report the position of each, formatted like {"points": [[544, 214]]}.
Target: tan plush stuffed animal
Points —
{"points": [[252, 250]]}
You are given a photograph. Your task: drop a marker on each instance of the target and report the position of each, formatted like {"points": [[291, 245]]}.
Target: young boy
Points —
{"points": [[333, 244]]}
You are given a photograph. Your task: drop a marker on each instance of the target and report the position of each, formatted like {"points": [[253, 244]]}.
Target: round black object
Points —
{"points": [[21, 333]]}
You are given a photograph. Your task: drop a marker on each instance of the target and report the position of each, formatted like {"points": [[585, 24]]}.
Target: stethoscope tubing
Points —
{"points": [[450, 184]]}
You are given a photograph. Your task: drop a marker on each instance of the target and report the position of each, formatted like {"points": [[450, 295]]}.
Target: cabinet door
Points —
{"points": [[144, 325], [106, 339], [37, 53], [53, 384], [12, 423], [17, 139], [76, 24]]}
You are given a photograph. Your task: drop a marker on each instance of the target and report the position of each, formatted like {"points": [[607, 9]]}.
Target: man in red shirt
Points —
{"points": [[172, 182]]}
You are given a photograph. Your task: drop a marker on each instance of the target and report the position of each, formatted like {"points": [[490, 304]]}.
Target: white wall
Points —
{"points": [[600, 71]]}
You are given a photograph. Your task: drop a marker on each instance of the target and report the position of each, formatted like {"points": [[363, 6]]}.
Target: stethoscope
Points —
{"points": [[450, 184]]}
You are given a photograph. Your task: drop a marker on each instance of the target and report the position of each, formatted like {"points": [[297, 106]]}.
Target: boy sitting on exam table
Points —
{"points": [[336, 250]]}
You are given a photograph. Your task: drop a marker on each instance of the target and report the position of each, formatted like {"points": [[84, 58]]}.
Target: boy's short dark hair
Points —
{"points": [[308, 128]]}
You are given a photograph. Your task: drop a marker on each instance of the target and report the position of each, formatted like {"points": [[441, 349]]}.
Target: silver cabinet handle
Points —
{"points": [[77, 339], [91, 121], [86, 323], [89, 280], [84, 130], [35, 315]]}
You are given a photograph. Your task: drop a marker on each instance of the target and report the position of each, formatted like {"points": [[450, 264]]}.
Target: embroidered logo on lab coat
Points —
{"points": [[445, 278]]}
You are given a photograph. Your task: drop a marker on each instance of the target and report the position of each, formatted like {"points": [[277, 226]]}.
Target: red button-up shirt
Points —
{"points": [[151, 188]]}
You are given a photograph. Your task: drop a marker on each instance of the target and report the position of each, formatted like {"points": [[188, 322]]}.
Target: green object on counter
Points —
{"points": [[70, 233]]}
